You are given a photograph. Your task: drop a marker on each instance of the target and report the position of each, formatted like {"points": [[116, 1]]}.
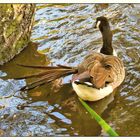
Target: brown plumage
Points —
{"points": [[50, 74], [102, 69], [97, 68]]}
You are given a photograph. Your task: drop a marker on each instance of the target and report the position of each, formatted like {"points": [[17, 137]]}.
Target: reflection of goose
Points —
{"points": [[96, 77]]}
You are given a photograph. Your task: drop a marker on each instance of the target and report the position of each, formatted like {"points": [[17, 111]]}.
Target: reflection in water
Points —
{"points": [[65, 35]]}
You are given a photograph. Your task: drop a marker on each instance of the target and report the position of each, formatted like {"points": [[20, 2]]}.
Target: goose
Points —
{"points": [[95, 77]]}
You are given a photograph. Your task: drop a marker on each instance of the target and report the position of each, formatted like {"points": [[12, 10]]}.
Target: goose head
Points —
{"points": [[101, 23]]}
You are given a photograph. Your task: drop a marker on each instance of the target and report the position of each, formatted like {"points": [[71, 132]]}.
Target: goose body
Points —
{"points": [[96, 77]]}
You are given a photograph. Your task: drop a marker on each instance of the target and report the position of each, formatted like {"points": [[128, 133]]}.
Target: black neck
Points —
{"points": [[107, 41]]}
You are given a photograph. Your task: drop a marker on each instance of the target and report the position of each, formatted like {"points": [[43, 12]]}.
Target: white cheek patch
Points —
{"points": [[98, 23], [88, 83]]}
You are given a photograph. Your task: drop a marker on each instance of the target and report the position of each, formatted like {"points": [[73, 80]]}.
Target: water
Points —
{"points": [[65, 34]]}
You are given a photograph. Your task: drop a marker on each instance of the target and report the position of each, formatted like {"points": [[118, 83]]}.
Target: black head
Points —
{"points": [[101, 23]]}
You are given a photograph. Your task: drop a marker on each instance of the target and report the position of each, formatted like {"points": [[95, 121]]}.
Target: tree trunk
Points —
{"points": [[16, 21]]}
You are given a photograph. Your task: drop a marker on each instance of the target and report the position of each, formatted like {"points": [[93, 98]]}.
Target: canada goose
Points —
{"points": [[96, 77]]}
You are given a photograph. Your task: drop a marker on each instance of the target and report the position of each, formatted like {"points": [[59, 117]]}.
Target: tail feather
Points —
{"points": [[63, 66], [31, 86], [31, 76], [50, 74], [45, 67]]}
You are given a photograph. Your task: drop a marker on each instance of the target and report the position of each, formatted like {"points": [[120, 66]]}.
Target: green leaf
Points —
{"points": [[101, 122]]}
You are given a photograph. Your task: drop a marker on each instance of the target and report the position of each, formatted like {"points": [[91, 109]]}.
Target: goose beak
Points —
{"points": [[83, 79]]}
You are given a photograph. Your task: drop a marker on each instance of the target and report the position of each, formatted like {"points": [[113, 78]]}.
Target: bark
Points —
{"points": [[16, 22]]}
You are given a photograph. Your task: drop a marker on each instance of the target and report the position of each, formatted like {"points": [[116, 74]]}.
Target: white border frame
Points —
{"points": [[70, 1]]}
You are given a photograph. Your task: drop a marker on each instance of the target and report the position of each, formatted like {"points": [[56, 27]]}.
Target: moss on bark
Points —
{"points": [[16, 21]]}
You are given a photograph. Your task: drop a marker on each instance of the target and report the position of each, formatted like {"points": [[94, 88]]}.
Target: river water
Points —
{"points": [[64, 34]]}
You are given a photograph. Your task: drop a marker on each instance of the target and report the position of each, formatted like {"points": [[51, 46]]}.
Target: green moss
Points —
{"points": [[12, 28]]}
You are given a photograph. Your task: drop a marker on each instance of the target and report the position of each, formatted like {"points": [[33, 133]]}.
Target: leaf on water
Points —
{"points": [[101, 122]]}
